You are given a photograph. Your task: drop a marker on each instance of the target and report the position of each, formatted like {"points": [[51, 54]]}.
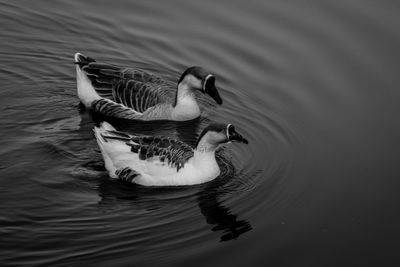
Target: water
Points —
{"points": [[313, 86]]}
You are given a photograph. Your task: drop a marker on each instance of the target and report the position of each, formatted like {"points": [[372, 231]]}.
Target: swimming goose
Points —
{"points": [[134, 94], [163, 161]]}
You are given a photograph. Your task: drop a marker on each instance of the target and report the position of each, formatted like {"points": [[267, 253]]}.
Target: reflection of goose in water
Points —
{"points": [[164, 202], [221, 216]]}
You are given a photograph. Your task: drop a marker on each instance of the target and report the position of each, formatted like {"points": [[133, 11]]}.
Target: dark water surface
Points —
{"points": [[313, 85]]}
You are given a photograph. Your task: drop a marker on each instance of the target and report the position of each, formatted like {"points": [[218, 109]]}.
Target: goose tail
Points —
{"points": [[82, 60], [86, 92], [101, 134], [103, 129], [105, 146]]}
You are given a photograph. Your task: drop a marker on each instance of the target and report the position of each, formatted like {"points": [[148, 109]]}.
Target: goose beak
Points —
{"points": [[210, 89], [235, 136]]}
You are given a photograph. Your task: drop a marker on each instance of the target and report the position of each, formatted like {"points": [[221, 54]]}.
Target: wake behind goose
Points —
{"points": [[135, 94], [162, 161]]}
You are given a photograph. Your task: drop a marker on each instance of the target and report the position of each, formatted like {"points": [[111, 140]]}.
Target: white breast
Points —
{"points": [[187, 108]]}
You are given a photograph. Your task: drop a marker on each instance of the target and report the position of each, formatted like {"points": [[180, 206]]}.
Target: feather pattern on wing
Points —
{"points": [[112, 109], [175, 153], [132, 88]]}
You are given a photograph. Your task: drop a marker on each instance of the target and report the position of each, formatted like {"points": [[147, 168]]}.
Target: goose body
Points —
{"points": [[138, 95], [162, 161]]}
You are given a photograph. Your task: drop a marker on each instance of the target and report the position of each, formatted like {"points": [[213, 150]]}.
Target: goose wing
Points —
{"points": [[154, 152], [132, 88], [173, 152]]}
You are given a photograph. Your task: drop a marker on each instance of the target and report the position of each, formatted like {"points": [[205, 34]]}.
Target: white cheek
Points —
{"points": [[195, 82]]}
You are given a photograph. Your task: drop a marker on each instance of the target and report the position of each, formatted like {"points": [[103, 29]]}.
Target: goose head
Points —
{"points": [[198, 78], [216, 134]]}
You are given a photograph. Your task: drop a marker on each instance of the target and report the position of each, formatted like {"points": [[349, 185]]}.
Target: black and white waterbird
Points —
{"points": [[135, 94], [163, 161]]}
